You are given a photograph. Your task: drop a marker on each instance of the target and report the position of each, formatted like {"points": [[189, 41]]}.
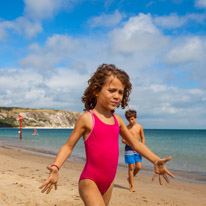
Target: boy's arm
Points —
{"points": [[124, 141], [142, 135], [143, 150]]}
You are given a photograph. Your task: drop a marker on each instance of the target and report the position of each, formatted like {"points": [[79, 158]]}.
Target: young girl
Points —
{"points": [[108, 88]]}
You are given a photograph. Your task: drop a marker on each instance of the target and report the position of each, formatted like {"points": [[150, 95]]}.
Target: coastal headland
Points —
{"points": [[37, 118]]}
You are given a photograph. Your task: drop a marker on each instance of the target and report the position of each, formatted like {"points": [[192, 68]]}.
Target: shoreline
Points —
{"points": [[73, 128], [23, 172], [37, 128], [184, 176]]}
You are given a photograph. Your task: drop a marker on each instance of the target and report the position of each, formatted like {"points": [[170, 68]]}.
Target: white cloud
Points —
{"points": [[200, 3], [61, 44], [26, 27], [4, 26], [30, 24], [138, 34], [41, 9], [160, 104], [21, 26], [54, 74], [31, 88], [57, 48], [65, 79], [171, 21], [175, 21], [106, 20], [189, 50]]}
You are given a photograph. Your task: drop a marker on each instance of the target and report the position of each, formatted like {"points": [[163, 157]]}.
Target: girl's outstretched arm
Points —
{"points": [[64, 153], [159, 164]]}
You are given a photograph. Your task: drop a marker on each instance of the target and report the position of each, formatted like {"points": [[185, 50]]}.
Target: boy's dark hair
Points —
{"points": [[97, 81], [131, 113]]}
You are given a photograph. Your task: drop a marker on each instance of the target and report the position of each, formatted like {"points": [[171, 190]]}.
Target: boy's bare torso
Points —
{"points": [[135, 130]]}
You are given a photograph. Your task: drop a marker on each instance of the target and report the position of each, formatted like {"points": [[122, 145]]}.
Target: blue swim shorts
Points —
{"points": [[131, 157]]}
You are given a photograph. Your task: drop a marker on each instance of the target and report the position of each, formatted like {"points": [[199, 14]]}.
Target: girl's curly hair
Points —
{"points": [[97, 81]]}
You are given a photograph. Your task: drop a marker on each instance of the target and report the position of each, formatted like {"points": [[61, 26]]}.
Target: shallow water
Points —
{"points": [[187, 147]]}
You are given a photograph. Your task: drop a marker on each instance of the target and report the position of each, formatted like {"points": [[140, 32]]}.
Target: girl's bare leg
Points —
{"points": [[107, 195], [90, 193]]}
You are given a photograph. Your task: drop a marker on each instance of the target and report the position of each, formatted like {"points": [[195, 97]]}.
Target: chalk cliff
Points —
{"points": [[37, 118]]}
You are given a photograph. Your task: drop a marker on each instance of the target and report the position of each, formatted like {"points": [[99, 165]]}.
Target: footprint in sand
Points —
{"points": [[23, 167], [144, 199], [9, 170]]}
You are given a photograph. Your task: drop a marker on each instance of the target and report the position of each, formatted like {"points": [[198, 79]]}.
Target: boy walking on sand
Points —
{"points": [[132, 158]]}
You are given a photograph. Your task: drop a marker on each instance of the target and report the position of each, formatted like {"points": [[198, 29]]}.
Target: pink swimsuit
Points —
{"points": [[102, 153]]}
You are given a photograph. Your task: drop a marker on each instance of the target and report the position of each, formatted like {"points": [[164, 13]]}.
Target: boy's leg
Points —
{"points": [[137, 168], [138, 161], [131, 177], [90, 193], [107, 195]]}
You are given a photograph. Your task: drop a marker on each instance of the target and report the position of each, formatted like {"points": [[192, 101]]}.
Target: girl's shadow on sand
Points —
{"points": [[121, 187]]}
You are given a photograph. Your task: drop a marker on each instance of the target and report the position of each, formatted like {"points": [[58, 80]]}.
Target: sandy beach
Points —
{"points": [[21, 174]]}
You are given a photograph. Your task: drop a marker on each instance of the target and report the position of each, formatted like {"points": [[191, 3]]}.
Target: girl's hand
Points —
{"points": [[52, 180], [160, 169]]}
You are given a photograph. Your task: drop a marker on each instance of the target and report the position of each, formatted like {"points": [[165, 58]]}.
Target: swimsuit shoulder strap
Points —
{"points": [[115, 119]]}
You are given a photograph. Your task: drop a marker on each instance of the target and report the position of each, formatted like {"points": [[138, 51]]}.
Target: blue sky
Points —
{"points": [[50, 48]]}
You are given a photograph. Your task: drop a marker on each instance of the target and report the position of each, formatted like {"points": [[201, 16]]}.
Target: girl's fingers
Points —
{"points": [[46, 188], [167, 159], [49, 167], [49, 189], [154, 176], [166, 178], [45, 183], [160, 179], [169, 173]]}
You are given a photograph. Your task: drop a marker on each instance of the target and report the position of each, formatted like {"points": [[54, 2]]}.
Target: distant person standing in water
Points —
{"points": [[132, 158], [35, 132]]}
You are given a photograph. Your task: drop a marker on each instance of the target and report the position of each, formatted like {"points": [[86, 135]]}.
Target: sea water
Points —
{"points": [[187, 147]]}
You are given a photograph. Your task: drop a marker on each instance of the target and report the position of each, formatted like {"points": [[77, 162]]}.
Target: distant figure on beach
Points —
{"points": [[100, 127], [35, 132], [132, 158]]}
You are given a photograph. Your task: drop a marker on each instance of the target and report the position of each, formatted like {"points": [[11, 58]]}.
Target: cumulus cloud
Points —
{"points": [[54, 74], [189, 50], [29, 88], [175, 21], [171, 21], [106, 20], [21, 26], [159, 103], [40, 82], [200, 3], [39, 10], [137, 34], [57, 48], [35, 12]]}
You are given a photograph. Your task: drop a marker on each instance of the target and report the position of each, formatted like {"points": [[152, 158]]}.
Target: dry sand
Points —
{"points": [[21, 174]]}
